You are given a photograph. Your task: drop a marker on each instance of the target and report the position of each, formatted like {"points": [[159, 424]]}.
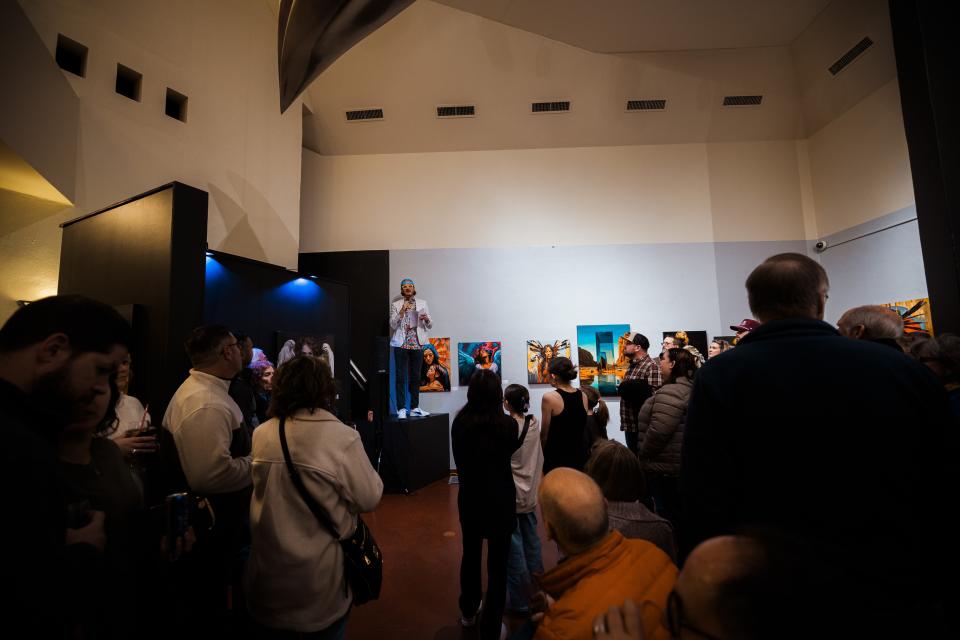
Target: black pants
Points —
{"points": [[471, 587], [407, 362], [633, 439], [665, 491]]}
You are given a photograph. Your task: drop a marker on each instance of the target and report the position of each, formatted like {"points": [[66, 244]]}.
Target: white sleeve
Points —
{"points": [[394, 317], [428, 323], [203, 444]]}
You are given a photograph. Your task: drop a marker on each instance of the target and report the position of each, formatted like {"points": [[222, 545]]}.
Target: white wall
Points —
{"points": [[235, 144]]}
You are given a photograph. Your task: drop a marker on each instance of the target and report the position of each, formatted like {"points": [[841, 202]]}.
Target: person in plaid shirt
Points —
{"points": [[641, 380]]}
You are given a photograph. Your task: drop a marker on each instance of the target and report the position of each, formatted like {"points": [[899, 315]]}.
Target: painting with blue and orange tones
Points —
{"points": [[915, 314], [539, 356], [600, 352], [435, 368], [473, 356]]}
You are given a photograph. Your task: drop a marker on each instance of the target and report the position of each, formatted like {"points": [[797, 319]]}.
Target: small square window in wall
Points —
{"points": [[71, 56], [176, 105], [128, 82]]}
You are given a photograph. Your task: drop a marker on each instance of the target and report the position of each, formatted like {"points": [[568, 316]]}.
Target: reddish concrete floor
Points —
{"points": [[420, 539]]}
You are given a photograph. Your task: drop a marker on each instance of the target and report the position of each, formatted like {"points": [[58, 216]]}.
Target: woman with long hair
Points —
{"points": [[484, 439], [295, 575], [598, 415], [660, 424], [564, 420]]}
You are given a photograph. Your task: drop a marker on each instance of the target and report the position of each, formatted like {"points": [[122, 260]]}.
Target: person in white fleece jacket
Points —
{"points": [[295, 574]]}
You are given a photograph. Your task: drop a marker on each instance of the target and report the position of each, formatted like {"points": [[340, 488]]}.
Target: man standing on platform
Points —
{"points": [[409, 320]]}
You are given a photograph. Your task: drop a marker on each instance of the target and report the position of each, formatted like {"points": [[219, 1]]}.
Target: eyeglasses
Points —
{"points": [[675, 620]]}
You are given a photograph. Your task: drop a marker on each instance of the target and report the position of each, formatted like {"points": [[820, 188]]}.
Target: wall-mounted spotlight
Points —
{"points": [[313, 277], [209, 254]]}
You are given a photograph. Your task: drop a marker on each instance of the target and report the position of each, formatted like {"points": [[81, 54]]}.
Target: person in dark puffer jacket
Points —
{"points": [[660, 426]]}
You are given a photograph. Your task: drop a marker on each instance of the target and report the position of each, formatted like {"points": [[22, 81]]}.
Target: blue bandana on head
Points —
{"points": [[406, 281]]}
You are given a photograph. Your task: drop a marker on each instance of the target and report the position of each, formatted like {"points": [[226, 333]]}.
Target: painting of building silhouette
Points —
{"points": [[600, 352]]}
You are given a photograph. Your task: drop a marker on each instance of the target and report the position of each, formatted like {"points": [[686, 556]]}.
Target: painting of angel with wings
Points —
{"points": [[473, 356]]}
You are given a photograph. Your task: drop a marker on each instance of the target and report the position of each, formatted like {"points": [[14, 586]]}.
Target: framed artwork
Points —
{"points": [[435, 370], [290, 344], [600, 353], [915, 314], [697, 338], [539, 356], [473, 356]]}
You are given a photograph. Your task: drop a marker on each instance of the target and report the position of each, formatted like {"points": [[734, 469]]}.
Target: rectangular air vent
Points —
{"points": [[850, 56], [461, 111], [742, 101], [646, 105], [71, 56], [365, 114], [128, 82], [550, 107], [176, 105]]}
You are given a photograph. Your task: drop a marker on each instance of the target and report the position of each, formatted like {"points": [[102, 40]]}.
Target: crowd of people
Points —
{"points": [[791, 486]]}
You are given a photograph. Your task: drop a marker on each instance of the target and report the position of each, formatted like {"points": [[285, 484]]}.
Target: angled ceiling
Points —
{"points": [[621, 26], [433, 54]]}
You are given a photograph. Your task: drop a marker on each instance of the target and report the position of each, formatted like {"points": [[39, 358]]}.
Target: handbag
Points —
{"points": [[362, 559]]}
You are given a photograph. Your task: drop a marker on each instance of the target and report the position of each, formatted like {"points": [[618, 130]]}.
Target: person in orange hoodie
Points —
{"points": [[602, 567]]}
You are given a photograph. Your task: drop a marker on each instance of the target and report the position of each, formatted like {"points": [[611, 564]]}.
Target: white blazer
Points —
{"points": [[396, 322]]}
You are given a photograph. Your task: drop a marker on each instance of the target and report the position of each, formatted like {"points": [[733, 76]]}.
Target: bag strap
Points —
{"points": [[526, 427], [318, 511]]}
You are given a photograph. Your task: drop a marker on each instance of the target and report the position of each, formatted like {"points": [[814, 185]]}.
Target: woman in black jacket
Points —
{"points": [[484, 439]]}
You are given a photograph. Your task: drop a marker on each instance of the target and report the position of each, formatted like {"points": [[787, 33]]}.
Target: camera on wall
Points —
{"points": [[820, 246]]}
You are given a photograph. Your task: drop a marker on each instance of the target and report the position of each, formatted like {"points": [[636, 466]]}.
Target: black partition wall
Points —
{"points": [[271, 304], [145, 256]]}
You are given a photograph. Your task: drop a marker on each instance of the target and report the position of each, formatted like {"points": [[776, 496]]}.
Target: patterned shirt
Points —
{"points": [[643, 369], [410, 339]]}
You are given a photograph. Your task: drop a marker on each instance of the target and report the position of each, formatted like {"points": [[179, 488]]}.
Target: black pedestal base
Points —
{"points": [[416, 452]]}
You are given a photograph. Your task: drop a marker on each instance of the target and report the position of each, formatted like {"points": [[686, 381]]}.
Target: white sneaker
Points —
{"points": [[472, 620], [402, 414], [420, 413]]}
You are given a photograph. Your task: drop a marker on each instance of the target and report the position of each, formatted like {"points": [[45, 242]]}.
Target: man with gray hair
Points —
{"points": [[872, 322], [601, 568]]}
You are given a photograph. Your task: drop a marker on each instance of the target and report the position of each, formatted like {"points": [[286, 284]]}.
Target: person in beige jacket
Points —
{"points": [[295, 579], [660, 427]]}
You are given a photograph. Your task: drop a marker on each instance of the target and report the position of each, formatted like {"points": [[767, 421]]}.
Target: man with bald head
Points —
{"points": [[872, 322], [602, 567]]}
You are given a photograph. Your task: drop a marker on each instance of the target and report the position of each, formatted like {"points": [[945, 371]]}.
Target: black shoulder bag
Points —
{"points": [[362, 560]]}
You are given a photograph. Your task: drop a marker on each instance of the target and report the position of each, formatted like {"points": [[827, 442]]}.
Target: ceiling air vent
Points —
{"points": [[461, 111], [364, 114], [850, 56], [742, 101], [646, 105], [550, 107]]}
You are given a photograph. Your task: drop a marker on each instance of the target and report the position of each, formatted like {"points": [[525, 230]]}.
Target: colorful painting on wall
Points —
{"points": [[539, 355], [473, 356], [915, 314], [435, 370], [600, 352], [697, 338]]}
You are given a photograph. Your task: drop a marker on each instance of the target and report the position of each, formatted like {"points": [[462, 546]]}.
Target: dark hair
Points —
{"points": [[110, 423], [303, 382], [241, 336], [602, 414], [617, 470], [641, 341], [518, 398], [484, 395], [89, 324], [316, 346], [563, 368], [787, 285], [205, 343], [684, 365]]}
